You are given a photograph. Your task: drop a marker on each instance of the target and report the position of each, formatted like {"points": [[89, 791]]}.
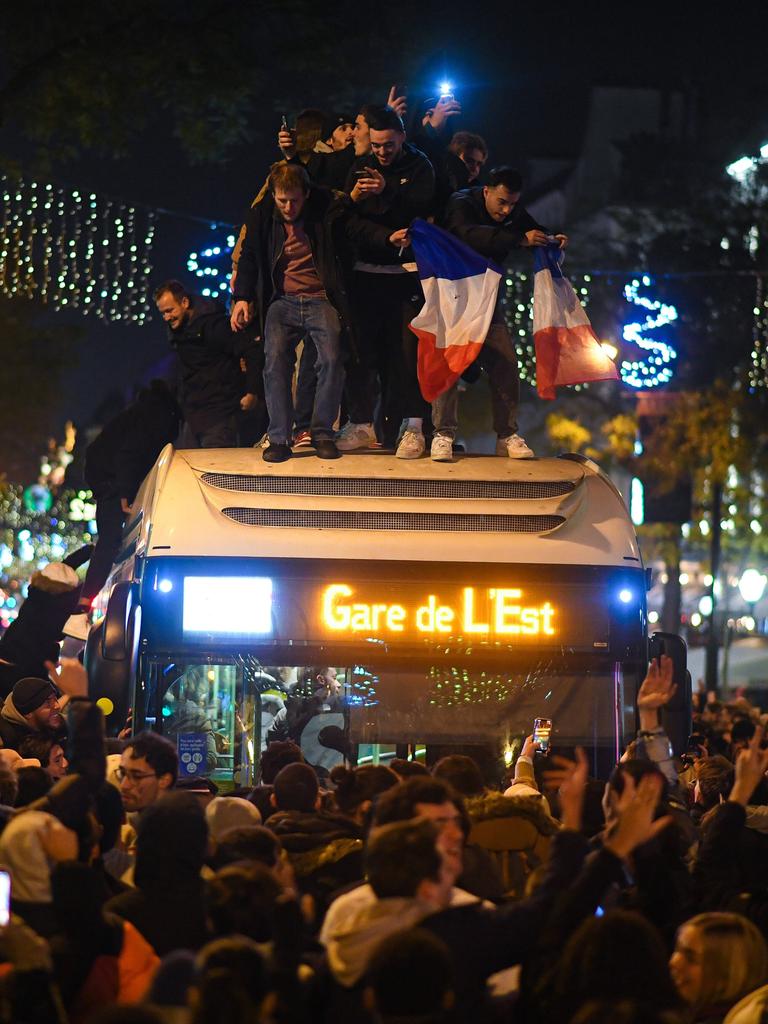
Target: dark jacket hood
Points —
{"points": [[172, 841]]}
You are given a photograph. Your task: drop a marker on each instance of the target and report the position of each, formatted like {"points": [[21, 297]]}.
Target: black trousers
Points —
{"points": [[109, 522], [385, 369]]}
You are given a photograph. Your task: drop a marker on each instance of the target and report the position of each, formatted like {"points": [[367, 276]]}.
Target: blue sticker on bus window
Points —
{"points": [[193, 750]]}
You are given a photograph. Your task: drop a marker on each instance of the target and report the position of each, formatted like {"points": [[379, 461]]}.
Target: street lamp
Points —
{"points": [[752, 586]]}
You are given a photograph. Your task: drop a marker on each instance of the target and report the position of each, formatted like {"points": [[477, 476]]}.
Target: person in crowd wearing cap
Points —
{"points": [[31, 709]]}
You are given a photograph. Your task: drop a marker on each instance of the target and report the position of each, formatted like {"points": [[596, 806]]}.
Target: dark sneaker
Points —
{"points": [[277, 453], [325, 448]]}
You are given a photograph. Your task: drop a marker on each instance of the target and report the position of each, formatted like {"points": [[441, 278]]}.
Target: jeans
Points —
{"points": [[306, 382], [289, 319], [499, 360]]}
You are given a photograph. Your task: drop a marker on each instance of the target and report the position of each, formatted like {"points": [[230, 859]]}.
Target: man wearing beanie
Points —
{"points": [[31, 709]]}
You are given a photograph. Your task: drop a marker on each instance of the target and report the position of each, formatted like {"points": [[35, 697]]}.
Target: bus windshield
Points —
{"points": [[222, 711]]}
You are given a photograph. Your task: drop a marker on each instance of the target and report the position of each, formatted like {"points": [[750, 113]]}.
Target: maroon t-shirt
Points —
{"points": [[296, 270]]}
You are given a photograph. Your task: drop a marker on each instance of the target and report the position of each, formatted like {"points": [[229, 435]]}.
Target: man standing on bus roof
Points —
{"points": [[210, 354], [290, 269], [490, 220]]}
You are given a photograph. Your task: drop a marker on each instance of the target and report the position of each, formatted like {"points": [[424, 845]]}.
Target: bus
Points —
{"points": [[371, 607]]}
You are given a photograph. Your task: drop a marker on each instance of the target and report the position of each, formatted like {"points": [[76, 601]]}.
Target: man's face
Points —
{"points": [[450, 842], [140, 784], [330, 682], [386, 146], [57, 762], [174, 311], [290, 202], [361, 136], [499, 201], [474, 160], [46, 718], [342, 135]]}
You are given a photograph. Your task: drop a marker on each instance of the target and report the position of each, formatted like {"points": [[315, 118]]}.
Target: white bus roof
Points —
{"points": [[372, 506]]}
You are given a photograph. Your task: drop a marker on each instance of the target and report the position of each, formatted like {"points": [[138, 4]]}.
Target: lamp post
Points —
{"points": [[752, 587]]}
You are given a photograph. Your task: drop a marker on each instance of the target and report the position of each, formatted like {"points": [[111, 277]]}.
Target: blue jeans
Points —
{"points": [[289, 319]]}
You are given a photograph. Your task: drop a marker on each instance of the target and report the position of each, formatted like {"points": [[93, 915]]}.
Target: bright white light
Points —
{"points": [[637, 501], [756, 526], [695, 619], [625, 595], [683, 578], [227, 604], [446, 88], [752, 585], [708, 580], [705, 605], [610, 349], [165, 586], [664, 579], [748, 623], [704, 527], [740, 169], [764, 151], [653, 617]]}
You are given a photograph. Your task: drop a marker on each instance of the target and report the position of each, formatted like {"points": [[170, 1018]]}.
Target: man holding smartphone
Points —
{"points": [[386, 192]]}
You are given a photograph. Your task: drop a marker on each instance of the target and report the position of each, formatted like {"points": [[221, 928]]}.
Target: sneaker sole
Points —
{"points": [[414, 455], [441, 458], [506, 455]]}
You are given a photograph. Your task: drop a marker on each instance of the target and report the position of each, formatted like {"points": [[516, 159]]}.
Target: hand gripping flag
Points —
{"points": [[567, 349], [460, 289]]}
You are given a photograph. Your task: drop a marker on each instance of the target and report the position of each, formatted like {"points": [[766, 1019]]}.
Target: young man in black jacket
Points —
{"points": [[490, 220], [116, 462], [291, 268], [210, 353], [387, 190]]}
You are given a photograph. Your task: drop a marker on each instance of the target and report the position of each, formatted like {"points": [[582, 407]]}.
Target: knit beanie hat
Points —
{"points": [[30, 693]]}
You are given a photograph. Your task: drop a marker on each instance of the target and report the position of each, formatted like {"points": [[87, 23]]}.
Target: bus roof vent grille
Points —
{"points": [[366, 487], [425, 522]]}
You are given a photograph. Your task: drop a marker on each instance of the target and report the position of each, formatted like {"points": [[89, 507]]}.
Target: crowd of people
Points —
{"points": [[325, 259], [386, 892]]}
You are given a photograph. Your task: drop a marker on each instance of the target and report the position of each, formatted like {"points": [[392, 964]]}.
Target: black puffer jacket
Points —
{"points": [[124, 452], [209, 352]]}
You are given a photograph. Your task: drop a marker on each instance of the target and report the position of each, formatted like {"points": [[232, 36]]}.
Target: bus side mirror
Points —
{"points": [[111, 654], [676, 716]]}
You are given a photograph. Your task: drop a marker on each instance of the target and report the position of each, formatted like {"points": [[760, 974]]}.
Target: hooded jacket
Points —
{"points": [[14, 728], [124, 452], [353, 939], [209, 353], [467, 218]]}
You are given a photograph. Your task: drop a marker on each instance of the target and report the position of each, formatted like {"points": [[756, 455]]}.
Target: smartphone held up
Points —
{"points": [[542, 733]]}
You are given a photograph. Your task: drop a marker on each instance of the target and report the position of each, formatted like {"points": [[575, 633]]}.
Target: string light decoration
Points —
{"points": [[656, 367], [757, 374], [212, 265], [76, 250]]}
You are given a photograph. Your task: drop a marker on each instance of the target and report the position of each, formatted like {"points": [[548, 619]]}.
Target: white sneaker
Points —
{"points": [[513, 447], [356, 435], [442, 448], [411, 446], [77, 626]]}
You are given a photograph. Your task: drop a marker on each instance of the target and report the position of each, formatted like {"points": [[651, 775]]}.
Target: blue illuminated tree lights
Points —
{"points": [[213, 265], [656, 367]]}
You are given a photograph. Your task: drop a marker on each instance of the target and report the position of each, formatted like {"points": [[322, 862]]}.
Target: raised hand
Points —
{"points": [[636, 807], [570, 780], [751, 766], [398, 103]]}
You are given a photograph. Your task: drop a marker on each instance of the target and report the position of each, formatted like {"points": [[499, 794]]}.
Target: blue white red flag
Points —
{"points": [[567, 349], [460, 289]]}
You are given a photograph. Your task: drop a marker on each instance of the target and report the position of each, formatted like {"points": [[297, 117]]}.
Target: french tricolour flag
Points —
{"points": [[460, 289], [567, 349]]}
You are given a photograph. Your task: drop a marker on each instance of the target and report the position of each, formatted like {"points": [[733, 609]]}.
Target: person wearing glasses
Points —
{"points": [[31, 709], [148, 768]]}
